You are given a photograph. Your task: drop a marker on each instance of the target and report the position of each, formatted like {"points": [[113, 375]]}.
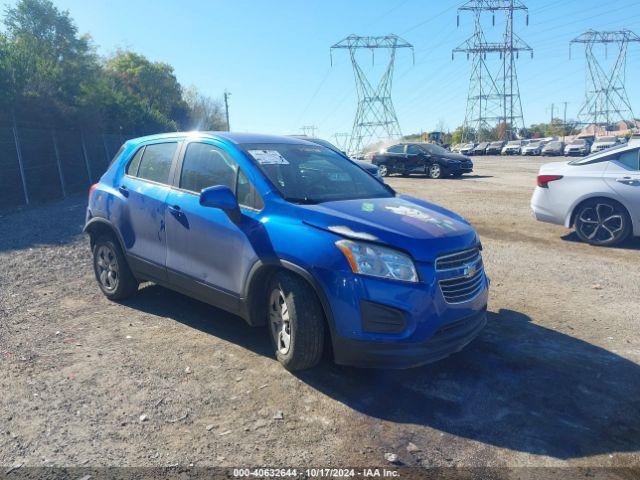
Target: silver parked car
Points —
{"points": [[533, 148], [599, 194], [579, 146]]}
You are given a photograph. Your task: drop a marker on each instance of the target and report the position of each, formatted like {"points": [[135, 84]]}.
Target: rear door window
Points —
{"points": [[155, 164], [396, 149]]}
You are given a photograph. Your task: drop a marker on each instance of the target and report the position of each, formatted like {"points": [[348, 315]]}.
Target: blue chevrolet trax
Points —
{"points": [[289, 234]]}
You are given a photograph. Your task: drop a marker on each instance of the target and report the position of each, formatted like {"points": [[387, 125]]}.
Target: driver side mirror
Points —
{"points": [[221, 196]]}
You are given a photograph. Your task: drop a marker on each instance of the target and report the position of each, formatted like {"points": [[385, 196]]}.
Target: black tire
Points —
{"points": [[433, 172], [602, 222], [305, 320], [115, 280]]}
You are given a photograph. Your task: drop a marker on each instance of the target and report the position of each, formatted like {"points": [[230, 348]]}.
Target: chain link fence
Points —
{"points": [[40, 165]]}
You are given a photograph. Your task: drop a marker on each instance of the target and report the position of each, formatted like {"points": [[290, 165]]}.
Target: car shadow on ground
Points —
{"points": [[463, 177], [519, 385], [631, 243]]}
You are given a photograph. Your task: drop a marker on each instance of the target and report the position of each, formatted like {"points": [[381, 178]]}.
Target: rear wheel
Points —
{"points": [[112, 271], [602, 222], [383, 171], [296, 322], [435, 171]]}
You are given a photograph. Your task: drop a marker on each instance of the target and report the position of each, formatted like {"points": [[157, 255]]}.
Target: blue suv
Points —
{"points": [[289, 234]]}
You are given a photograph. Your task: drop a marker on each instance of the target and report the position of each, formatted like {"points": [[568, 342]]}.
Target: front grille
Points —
{"points": [[464, 288], [458, 259]]}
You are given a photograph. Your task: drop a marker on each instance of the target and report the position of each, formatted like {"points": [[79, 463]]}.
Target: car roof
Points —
{"points": [[237, 138]]}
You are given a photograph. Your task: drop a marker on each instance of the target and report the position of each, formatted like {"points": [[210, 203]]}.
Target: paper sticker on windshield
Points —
{"points": [[268, 157]]}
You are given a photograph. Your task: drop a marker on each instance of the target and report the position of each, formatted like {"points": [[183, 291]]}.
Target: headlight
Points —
{"points": [[370, 259]]}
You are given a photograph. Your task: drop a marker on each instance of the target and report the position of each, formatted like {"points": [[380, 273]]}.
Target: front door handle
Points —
{"points": [[175, 209], [124, 190]]}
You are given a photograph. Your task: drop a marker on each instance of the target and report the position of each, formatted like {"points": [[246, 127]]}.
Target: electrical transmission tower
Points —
{"points": [[342, 140], [376, 118], [606, 99], [493, 98]]}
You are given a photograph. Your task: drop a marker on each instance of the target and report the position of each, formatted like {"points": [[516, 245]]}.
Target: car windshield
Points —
{"points": [[312, 173], [534, 144], [554, 144], [606, 139], [514, 142], [578, 141], [496, 144]]}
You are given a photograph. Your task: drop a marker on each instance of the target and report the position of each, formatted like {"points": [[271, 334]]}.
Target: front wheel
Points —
{"points": [[296, 322], [435, 171], [602, 222]]}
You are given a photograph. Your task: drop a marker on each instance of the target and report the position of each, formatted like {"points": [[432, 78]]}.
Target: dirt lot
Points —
{"points": [[553, 380]]}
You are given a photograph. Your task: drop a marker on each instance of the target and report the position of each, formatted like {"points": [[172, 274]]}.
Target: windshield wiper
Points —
{"points": [[302, 201]]}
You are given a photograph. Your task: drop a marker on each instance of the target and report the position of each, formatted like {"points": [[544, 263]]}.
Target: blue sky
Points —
{"points": [[273, 56]]}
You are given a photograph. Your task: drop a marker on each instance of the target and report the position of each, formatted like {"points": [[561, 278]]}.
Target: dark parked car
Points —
{"points": [[553, 148], [494, 148], [480, 149], [408, 158]]}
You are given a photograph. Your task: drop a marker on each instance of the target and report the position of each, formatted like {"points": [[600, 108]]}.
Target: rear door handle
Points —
{"points": [[124, 190]]}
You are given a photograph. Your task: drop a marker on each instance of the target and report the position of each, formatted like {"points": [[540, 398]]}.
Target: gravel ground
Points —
{"points": [[553, 380]]}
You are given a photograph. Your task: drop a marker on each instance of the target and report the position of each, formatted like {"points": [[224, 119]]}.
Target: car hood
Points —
{"points": [[422, 229], [454, 156]]}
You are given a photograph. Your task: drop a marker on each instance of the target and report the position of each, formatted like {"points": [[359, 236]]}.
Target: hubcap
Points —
{"points": [[382, 170], [107, 266], [434, 170], [279, 321], [601, 223]]}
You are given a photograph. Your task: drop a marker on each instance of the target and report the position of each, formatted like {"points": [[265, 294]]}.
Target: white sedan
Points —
{"points": [[599, 194]]}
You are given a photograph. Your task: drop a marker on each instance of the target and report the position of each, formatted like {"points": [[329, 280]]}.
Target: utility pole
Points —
{"points": [[606, 97], [376, 118], [309, 130], [551, 121], [564, 120], [493, 98], [226, 108]]}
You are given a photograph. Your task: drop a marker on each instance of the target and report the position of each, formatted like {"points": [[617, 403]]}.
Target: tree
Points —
{"points": [[47, 62], [205, 113], [153, 84]]}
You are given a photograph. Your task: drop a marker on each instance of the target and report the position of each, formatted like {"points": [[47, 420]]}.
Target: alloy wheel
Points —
{"points": [[279, 321], [601, 223], [383, 171], [435, 171], [107, 266]]}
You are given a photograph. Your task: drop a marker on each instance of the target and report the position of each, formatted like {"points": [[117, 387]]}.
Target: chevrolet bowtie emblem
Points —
{"points": [[470, 271]]}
